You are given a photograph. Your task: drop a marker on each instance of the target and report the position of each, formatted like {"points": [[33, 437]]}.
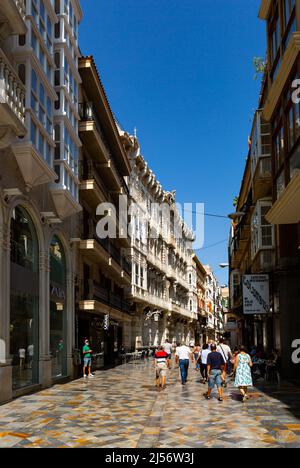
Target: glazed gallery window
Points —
{"points": [[43, 22], [24, 300], [262, 236], [286, 139], [281, 27], [274, 40], [289, 21], [58, 311]]}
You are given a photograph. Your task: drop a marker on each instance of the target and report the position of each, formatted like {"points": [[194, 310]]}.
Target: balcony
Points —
{"points": [[171, 242], [12, 103], [96, 94], [99, 297], [65, 203], [286, 209], [12, 18], [184, 312], [138, 294], [35, 170], [156, 262], [91, 187], [92, 135], [184, 283], [103, 251], [171, 273], [158, 302]]}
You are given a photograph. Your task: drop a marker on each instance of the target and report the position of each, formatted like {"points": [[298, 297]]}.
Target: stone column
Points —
{"points": [[45, 366], [127, 334], [5, 360], [70, 322]]}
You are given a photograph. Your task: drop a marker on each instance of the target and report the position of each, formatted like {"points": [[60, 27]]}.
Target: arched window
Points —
{"points": [[24, 299]]}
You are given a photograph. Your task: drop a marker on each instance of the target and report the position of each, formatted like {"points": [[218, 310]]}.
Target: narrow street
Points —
{"points": [[121, 408]]}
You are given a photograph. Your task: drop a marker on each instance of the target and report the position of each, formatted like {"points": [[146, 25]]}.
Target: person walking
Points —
{"points": [[161, 367], [233, 360], [197, 351], [215, 368], [87, 359], [183, 356], [226, 352], [168, 348], [243, 376], [203, 362]]}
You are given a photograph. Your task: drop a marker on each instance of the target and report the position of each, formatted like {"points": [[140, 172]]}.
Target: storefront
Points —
{"points": [[105, 336], [24, 300], [58, 309]]}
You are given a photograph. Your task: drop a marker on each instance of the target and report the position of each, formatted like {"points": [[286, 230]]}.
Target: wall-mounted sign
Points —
{"points": [[106, 322], [256, 294]]}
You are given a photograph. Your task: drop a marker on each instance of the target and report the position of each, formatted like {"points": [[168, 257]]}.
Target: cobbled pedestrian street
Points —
{"points": [[121, 408]]}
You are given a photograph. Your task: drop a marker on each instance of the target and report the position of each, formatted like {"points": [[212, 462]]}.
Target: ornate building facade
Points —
{"points": [[163, 287], [104, 274], [39, 148]]}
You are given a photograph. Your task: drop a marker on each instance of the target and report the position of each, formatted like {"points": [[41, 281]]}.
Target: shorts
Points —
{"points": [[87, 362], [215, 379], [161, 370]]}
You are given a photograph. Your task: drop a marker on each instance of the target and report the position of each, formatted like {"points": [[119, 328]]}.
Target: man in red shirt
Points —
{"points": [[161, 366]]}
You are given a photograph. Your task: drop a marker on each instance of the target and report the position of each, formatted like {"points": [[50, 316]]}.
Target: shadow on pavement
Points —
{"points": [[287, 393]]}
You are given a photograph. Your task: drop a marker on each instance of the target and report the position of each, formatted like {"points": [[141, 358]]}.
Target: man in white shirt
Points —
{"points": [[183, 356], [226, 353]]}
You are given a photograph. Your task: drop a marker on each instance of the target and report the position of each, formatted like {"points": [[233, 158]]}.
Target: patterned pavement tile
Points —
{"points": [[121, 408]]}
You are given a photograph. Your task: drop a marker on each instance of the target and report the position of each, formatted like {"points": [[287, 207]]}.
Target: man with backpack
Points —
{"points": [[226, 353]]}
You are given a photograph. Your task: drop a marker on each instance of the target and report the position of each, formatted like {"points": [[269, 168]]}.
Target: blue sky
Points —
{"points": [[181, 71]]}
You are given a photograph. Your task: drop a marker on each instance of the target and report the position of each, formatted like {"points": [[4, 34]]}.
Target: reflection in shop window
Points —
{"points": [[24, 300], [58, 304]]}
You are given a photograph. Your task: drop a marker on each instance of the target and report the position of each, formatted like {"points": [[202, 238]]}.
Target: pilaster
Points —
{"points": [[5, 359], [45, 366]]}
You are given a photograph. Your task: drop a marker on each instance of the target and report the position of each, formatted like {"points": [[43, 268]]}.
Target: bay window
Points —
{"points": [[282, 25], [286, 138], [262, 233]]}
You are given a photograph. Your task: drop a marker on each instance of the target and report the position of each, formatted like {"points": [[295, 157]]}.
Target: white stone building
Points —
{"points": [[39, 150], [213, 304], [163, 272]]}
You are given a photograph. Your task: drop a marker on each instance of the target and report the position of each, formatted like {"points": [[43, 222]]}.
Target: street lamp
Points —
{"points": [[155, 314]]}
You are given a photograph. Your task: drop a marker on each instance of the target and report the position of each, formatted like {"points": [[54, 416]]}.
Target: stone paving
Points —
{"points": [[121, 408]]}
